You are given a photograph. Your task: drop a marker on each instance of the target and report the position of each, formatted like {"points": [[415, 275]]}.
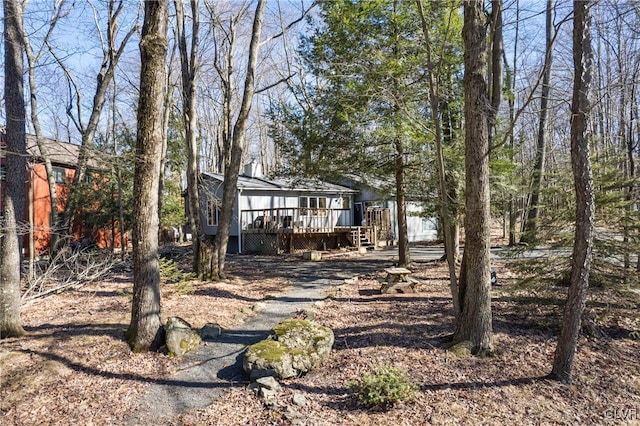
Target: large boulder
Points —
{"points": [[296, 346], [181, 338]]}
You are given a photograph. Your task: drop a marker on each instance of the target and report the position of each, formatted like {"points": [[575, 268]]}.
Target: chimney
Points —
{"points": [[253, 169]]}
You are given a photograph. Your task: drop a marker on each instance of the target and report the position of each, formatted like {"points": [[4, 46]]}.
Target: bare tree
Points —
{"points": [[497, 49], [510, 83], [16, 163], [234, 150], [32, 59], [443, 191], [189, 69], [474, 325], [531, 223], [583, 182], [144, 332], [112, 51]]}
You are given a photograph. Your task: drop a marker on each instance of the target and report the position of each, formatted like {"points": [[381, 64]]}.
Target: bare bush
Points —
{"points": [[68, 270]]}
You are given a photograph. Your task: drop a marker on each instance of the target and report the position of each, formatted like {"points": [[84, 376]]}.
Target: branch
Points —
{"points": [[72, 85], [291, 24], [272, 85], [68, 270], [512, 125]]}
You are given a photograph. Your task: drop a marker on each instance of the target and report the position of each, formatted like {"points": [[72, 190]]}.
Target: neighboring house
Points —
{"points": [[64, 157], [273, 216]]}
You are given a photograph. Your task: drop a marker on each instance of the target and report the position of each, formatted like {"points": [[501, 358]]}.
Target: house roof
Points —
{"points": [[60, 153], [283, 184]]}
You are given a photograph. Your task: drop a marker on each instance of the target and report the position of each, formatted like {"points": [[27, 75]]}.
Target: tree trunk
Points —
{"points": [[44, 152], [118, 177], [189, 67], [511, 74], [530, 231], [583, 181], [144, 332], [497, 49], [404, 256], [474, 323], [16, 163], [232, 170], [448, 224]]}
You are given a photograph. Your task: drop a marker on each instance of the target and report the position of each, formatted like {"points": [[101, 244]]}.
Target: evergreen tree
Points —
{"points": [[366, 111]]}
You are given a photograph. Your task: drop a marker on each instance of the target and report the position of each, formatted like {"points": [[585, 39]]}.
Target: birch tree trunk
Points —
{"points": [[16, 163], [144, 332]]}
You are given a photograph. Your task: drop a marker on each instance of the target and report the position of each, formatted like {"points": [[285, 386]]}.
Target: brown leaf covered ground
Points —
{"points": [[75, 368]]}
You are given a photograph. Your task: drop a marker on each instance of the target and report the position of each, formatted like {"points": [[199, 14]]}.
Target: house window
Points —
{"points": [[426, 225], [346, 201], [59, 175], [313, 206], [213, 211]]}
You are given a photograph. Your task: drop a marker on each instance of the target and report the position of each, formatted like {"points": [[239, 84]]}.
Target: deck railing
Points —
{"points": [[295, 219]]}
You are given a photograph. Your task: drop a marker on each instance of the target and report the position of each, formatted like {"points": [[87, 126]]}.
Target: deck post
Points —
{"points": [[375, 236]]}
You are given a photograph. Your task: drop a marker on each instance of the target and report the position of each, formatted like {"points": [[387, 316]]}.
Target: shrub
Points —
{"points": [[170, 272], [383, 387]]}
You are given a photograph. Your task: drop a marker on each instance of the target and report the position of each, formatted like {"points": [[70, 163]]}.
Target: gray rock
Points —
{"points": [[258, 306], [295, 347], [253, 387], [299, 399], [268, 394], [256, 374], [268, 357], [270, 383], [291, 414], [181, 338], [210, 331]]}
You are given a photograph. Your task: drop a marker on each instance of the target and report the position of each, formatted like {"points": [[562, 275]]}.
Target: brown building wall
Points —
{"points": [[39, 193]]}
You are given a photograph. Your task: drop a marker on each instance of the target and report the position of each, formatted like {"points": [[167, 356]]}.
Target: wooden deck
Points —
{"points": [[273, 231]]}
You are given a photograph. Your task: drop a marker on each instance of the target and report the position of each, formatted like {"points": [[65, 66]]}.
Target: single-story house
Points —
{"points": [[279, 215], [273, 216]]}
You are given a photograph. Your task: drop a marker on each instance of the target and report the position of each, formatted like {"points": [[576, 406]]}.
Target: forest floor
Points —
{"points": [[74, 366]]}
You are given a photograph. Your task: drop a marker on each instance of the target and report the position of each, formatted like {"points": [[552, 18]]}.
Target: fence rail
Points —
{"points": [[295, 219]]}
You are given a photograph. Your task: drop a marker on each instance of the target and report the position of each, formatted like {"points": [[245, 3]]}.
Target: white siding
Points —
{"points": [[419, 228]]}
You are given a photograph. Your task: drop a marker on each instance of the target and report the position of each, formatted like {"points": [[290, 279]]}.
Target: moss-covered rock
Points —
{"points": [[461, 349], [181, 338], [295, 347]]}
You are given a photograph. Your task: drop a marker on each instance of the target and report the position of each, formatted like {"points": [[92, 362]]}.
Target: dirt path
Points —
{"points": [[217, 365]]}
